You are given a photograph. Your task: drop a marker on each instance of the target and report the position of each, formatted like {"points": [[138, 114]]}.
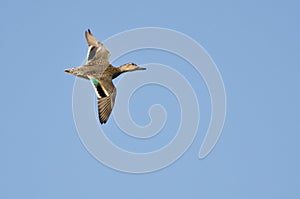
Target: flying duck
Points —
{"points": [[100, 72]]}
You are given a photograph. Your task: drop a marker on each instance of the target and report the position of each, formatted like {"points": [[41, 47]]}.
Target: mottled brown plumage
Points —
{"points": [[100, 72]]}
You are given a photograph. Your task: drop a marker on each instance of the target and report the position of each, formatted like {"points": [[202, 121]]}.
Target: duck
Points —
{"points": [[100, 72]]}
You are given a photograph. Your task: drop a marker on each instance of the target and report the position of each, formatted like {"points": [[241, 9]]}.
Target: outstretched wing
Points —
{"points": [[97, 53], [106, 93]]}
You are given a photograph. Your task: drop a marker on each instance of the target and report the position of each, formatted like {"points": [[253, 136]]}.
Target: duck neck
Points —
{"points": [[118, 71]]}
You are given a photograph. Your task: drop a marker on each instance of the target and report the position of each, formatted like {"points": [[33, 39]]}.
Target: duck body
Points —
{"points": [[86, 70]]}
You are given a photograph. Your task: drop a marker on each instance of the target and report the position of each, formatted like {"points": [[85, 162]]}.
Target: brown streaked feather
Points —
{"points": [[105, 106], [91, 40], [106, 93], [97, 53]]}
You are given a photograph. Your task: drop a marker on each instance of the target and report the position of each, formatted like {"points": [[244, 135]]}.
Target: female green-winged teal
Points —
{"points": [[100, 72]]}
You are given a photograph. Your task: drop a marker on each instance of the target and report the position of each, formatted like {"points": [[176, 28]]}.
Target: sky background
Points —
{"points": [[255, 45]]}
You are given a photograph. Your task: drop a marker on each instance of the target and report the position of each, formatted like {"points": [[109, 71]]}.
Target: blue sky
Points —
{"points": [[256, 48]]}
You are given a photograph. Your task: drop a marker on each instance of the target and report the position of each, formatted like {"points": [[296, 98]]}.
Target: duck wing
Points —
{"points": [[97, 52], [106, 93]]}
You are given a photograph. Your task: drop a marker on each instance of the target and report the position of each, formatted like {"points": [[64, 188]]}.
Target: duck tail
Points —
{"points": [[70, 70]]}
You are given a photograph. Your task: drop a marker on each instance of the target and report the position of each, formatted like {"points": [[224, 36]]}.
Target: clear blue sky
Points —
{"points": [[255, 45]]}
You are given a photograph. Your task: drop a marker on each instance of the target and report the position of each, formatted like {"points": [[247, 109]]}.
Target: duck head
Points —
{"points": [[130, 67]]}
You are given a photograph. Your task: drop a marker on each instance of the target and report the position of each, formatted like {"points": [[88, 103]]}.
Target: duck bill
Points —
{"points": [[140, 68]]}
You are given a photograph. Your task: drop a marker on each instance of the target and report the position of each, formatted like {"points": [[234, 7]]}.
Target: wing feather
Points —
{"points": [[97, 52], [106, 93]]}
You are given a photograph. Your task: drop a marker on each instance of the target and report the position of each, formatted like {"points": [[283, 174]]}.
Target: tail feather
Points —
{"points": [[71, 70]]}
